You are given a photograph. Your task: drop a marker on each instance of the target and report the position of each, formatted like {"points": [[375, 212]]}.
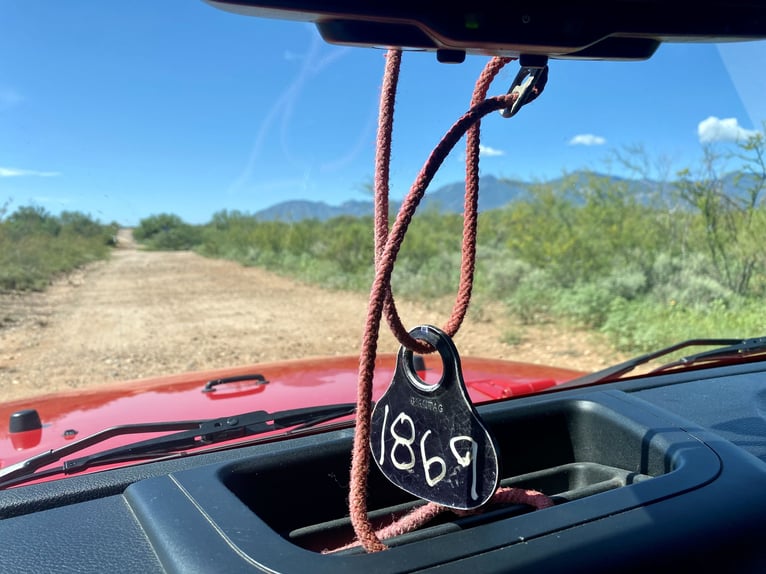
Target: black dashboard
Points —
{"points": [[650, 474]]}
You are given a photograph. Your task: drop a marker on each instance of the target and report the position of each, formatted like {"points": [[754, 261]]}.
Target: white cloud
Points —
{"points": [[714, 129], [486, 151], [587, 139], [13, 172]]}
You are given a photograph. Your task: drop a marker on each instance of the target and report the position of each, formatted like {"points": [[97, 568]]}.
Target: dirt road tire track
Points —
{"points": [[144, 313]]}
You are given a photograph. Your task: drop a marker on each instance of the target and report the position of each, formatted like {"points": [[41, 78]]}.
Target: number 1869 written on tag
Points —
{"points": [[403, 456]]}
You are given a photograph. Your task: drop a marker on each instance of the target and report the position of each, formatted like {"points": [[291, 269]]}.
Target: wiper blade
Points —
{"points": [[620, 369], [742, 348], [193, 434]]}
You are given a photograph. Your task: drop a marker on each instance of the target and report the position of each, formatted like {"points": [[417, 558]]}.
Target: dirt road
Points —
{"points": [[151, 313]]}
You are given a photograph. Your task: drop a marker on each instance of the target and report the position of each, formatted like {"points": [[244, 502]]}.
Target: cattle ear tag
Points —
{"points": [[428, 439]]}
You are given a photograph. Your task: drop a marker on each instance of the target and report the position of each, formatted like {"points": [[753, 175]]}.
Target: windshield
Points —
{"points": [[185, 189]]}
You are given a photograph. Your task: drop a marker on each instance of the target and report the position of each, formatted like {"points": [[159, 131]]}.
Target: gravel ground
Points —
{"points": [[143, 314]]}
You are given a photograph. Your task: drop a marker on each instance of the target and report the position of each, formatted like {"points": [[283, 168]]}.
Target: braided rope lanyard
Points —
{"points": [[387, 245]]}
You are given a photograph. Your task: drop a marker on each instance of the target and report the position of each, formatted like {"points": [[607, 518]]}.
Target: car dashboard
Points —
{"points": [[652, 473]]}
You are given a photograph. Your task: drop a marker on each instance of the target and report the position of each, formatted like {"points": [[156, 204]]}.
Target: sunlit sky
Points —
{"points": [[124, 109]]}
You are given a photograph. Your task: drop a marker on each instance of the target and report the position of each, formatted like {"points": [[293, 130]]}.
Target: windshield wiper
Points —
{"points": [[193, 434], [728, 348], [743, 348]]}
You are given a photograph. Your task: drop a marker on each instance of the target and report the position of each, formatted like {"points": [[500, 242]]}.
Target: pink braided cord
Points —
{"points": [[424, 514], [387, 245]]}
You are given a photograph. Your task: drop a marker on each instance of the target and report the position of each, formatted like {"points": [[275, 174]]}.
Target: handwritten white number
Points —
{"points": [[429, 462], [383, 438], [405, 442], [465, 459], [468, 458]]}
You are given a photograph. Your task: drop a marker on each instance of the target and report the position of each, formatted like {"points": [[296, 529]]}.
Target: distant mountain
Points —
{"points": [[493, 193], [298, 210]]}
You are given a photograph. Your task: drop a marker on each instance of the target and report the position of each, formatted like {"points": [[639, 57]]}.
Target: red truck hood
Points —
{"points": [[292, 384]]}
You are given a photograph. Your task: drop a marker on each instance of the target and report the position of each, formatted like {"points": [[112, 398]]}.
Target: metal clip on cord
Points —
{"points": [[528, 84]]}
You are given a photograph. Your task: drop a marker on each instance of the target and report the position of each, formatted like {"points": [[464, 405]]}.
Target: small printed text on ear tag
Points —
{"points": [[429, 439]]}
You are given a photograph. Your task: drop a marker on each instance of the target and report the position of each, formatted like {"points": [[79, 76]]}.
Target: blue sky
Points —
{"points": [[126, 109]]}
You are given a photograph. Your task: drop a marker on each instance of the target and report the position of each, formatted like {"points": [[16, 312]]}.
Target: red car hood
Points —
{"points": [[289, 385]]}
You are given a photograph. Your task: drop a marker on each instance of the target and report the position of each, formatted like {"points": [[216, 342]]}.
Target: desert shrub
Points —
{"points": [[687, 280], [499, 274], [433, 277], [31, 220], [167, 232], [35, 246], [588, 302], [534, 298], [644, 325]]}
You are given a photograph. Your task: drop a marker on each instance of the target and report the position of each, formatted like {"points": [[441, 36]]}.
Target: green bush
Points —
{"points": [[167, 232], [585, 227], [336, 253], [434, 277], [35, 246], [534, 298], [586, 303], [499, 274], [31, 220], [640, 326], [688, 281]]}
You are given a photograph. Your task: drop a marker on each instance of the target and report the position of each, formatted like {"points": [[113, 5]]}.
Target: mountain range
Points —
{"points": [[493, 193]]}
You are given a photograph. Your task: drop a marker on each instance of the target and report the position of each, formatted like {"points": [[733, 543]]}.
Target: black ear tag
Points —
{"points": [[429, 439]]}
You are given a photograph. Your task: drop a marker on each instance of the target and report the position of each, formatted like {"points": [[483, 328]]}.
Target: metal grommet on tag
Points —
{"points": [[428, 439]]}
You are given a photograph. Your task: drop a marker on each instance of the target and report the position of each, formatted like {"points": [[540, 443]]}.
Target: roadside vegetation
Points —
{"points": [[166, 232], [36, 246], [646, 262]]}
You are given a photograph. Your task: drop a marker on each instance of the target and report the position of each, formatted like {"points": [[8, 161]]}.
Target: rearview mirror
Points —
{"points": [[584, 29]]}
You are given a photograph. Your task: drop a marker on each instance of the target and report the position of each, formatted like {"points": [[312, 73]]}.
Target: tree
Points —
{"points": [[732, 210]]}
